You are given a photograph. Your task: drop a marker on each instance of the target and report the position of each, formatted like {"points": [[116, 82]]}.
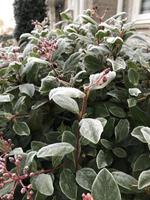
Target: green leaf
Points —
{"points": [[137, 133], [48, 83], [5, 98], [101, 34], [66, 91], [56, 160], [69, 137], [72, 62], [118, 64], [37, 60], [36, 145], [122, 130], [92, 63], [142, 162], [117, 111], [39, 104], [91, 129], [105, 187], [146, 134], [66, 103], [114, 40], [85, 178], [103, 159], [133, 76], [43, 183], [39, 196], [144, 180], [30, 157], [134, 91], [88, 19], [106, 143], [124, 180], [119, 152], [16, 151], [100, 110], [56, 149], [139, 116], [20, 104], [131, 102], [21, 128], [28, 89], [68, 184]]}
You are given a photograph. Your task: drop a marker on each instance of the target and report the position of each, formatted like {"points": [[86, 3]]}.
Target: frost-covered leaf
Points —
{"points": [[134, 92], [144, 180], [5, 98], [56, 149], [85, 178], [67, 103], [105, 187], [21, 128], [91, 129], [66, 91], [43, 183], [68, 184], [27, 88], [117, 64], [101, 80]]}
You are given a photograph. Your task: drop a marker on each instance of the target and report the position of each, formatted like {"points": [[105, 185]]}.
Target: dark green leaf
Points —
{"points": [[85, 178], [21, 128], [68, 184], [105, 187]]}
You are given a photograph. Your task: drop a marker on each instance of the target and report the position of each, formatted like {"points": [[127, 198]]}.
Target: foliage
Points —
{"points": [[75, 103], [24, 12]]}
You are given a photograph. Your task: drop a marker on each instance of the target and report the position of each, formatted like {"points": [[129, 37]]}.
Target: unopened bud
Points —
{"points": [[7, 175], [23, 190], [29, 186], [31, 174], [17, 162]]}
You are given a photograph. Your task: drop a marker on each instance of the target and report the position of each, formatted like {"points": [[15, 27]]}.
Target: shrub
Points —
{"points": [[75, 113], [24, 12]]}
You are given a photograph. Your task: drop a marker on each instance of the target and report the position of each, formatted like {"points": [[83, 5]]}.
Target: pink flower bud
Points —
{"points": [[29, 186], [23, 190], [17, 162], [7, 175], [87, 196], [31, 174]]}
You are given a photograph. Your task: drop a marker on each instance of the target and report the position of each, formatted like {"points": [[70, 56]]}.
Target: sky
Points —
{"points": [[6, 13]]}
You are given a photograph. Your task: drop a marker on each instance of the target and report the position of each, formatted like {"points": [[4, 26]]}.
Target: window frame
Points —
{"points": [[138, 17]]}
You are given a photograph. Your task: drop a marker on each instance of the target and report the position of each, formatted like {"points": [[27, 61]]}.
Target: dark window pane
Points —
{"points": [[145, 6]]}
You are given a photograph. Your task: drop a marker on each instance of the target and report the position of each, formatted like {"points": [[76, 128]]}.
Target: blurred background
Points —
{"points": [[15, 14]]}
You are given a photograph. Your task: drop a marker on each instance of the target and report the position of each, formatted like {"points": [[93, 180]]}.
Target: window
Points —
{"points": [[145, 6], [141, 11]]}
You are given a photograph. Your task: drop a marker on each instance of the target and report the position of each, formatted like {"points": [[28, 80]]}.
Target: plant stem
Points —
{"points": [[81, 115]]}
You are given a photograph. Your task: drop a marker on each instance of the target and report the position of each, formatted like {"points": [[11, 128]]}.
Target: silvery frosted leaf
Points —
{"points": [[101, 80], [91, 129], [134, 91], [66, 91]]}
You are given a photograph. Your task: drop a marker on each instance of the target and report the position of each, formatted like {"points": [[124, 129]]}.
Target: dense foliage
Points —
{"points": [[75, 114], [24, 12]]}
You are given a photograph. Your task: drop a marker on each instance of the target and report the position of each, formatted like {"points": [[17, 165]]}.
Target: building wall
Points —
{"points": [[142, 23], [103, 5]]}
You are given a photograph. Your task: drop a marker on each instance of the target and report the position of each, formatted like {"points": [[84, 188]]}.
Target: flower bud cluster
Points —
{"points": [[87, 196], [9, 55], [46, 48]]}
